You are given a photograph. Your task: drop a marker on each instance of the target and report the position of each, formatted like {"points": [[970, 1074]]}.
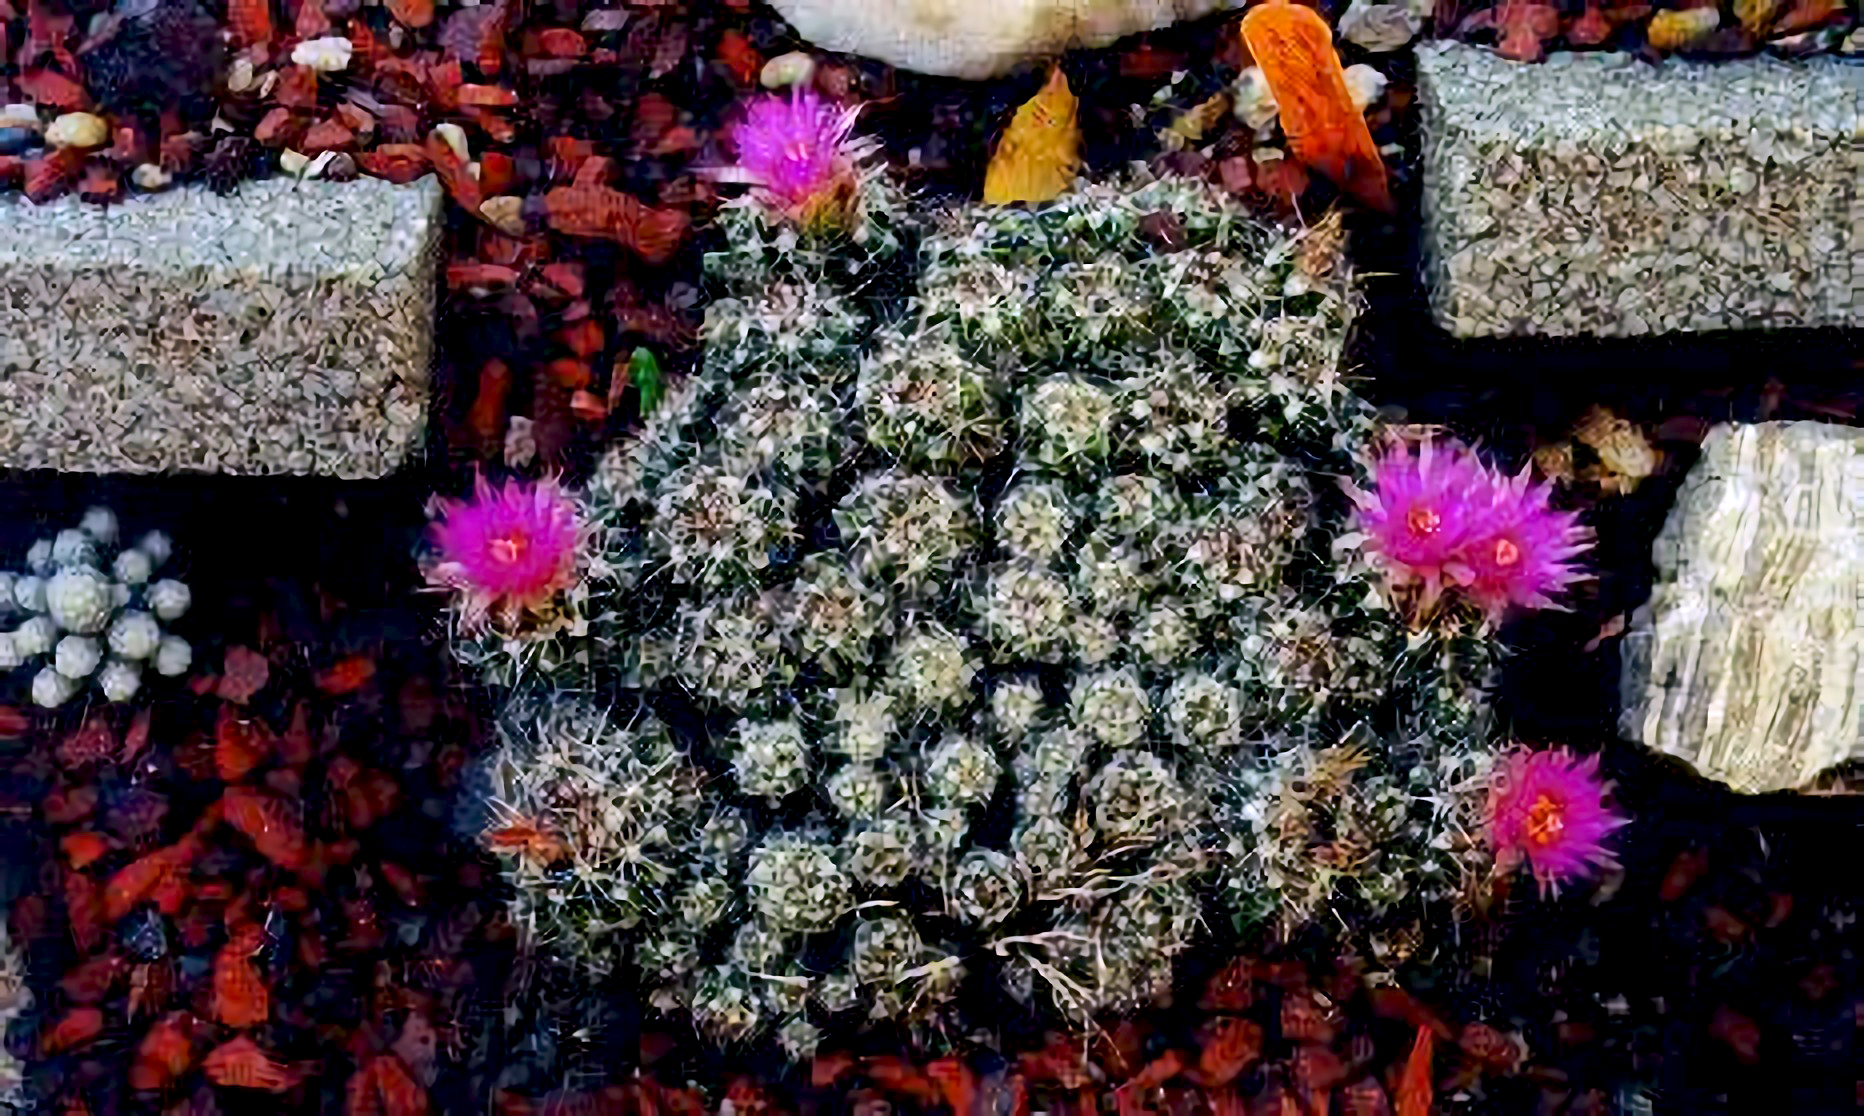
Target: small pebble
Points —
{"points": [[1365, 85], [151, 177], [1255, 102], [20, 116], [454, 137], [293, 162], [327, 55], [505, 212], [78, 129], [795, 68], [240, 76]]}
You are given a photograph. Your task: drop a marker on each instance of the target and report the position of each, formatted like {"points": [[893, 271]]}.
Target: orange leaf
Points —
{"points": [[1415, 1091], [139, 880], [399, 163], [384, 1087], [266, 821], [79, 1026], [490, 96], [1294, 47], [241, 998], [84, 849], [311, 23], [250, 21], [412, 13], [739, 57], [347, 675], [164, 1055], [49, 87], [241, 1064], [239, 746], [453, 174]]}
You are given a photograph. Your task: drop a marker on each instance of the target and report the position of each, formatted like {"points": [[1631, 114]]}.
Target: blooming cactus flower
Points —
{"points": [[507, 550], [1524, 554], [1547, 809], [1439, 517], [1425, 508], [798, 154]]}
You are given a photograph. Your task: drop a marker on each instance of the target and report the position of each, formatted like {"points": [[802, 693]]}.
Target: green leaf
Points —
{"points": [[644, 372]]}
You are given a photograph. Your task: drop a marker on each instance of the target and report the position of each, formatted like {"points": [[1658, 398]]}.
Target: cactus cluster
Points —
{"points": [[94, 612], [986, 615]]}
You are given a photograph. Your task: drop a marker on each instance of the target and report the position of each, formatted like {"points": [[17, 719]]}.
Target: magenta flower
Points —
{"points": [[507, 550], [798, 155], [1523, 556], [1548, 809], [1424, 511]]}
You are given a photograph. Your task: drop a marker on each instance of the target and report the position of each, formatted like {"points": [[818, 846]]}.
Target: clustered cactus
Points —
{"points": [[1001, 632], [95, 610]]}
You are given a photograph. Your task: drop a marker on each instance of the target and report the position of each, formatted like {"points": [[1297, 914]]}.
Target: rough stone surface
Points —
{"points": [[288, 329], [1749, 659], [978, 38], [1596, 194]]}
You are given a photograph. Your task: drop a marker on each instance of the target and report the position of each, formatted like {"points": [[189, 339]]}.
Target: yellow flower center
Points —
{"points": [[1506, 553], [1545, 821], [1423, 521], [507, 549]]}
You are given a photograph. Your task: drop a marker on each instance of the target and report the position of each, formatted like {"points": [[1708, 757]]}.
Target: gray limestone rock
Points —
{"points": [[287, 329], [1596, 194], [1748, 661]]}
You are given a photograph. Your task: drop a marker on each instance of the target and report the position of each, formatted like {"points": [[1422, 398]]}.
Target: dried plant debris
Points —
{"points": [[886, 560], [1604, 451]]}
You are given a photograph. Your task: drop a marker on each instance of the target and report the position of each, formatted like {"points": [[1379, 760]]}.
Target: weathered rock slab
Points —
{"points": [[1748, 661], [1597, 194], [287, 329], [978, 39]]}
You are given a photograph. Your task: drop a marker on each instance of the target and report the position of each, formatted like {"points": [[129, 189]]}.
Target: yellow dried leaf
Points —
{"points": [[1041, 149]]}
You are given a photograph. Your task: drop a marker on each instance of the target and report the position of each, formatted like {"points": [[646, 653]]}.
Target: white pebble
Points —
{"points": [[77, 656], [240, 76], [169, 599], [51, 689], [157, 546], [35, 637], [78, 129], [151, 177], [1365, 85], [135, 635], [100, 523], [1255, 101], [133, 567], [174, 657], [9, 652], [454, 137], [119, 680], [795, 68], [20, 116], [326, 55], [39, 557], [29, 593], [7, 583], [293, 162]]}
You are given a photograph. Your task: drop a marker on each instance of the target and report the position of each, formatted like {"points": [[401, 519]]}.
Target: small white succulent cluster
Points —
{"points": [[15, 1001], [999, 604], [95, 610]]}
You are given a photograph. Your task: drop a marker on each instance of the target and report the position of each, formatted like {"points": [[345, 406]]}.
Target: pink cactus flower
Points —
{"points": [[1548, 809], [507, 550], [1523, 555], [1424, 510], [798, 154]]}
